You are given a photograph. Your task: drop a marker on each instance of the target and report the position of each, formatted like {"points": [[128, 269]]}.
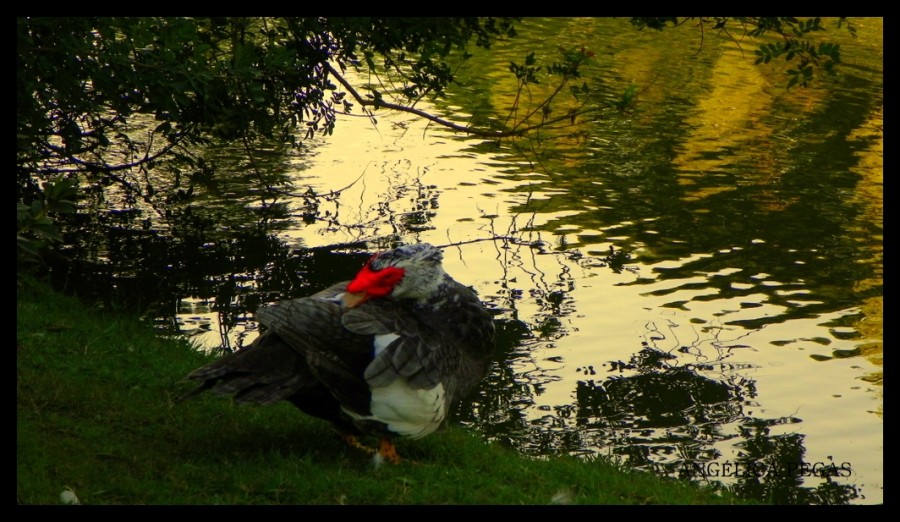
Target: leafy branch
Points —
{"points": [[35, 227]]}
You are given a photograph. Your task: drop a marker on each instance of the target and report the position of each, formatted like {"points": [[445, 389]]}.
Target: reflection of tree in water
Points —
{"points": [[499, 409], [773, 469], [663, 410], [686, 406], [668, 410]]}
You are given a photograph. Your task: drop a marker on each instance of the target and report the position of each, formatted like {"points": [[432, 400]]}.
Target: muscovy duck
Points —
{"points": [[385, 354]]}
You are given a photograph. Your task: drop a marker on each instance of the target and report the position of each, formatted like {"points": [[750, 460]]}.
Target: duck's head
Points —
{"points": [[407, 272]]}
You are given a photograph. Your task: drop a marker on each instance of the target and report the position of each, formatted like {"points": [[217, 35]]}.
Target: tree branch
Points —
{"points": [[518, 131], [105, 167], [418, 112]]}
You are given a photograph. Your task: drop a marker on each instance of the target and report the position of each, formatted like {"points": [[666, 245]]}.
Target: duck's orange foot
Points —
{"points": [[387, 451]]}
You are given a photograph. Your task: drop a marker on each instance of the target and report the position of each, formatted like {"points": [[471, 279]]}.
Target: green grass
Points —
{"points": [[97, 412]]}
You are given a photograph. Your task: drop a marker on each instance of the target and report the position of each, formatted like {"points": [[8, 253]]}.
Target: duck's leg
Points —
{"points": [[351, 440]]}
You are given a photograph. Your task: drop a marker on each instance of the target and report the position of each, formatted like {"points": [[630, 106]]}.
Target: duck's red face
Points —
{"points": [[370, 283]]}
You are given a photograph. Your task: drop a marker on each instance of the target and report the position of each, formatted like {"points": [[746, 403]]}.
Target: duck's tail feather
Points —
{"points": [[265, 372]]}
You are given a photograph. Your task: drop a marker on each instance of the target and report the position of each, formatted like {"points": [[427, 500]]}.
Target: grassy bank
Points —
{"points": [[96, 412]]}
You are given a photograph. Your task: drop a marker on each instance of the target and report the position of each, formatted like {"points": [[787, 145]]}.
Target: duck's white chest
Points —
{"points": [[406, 411]]}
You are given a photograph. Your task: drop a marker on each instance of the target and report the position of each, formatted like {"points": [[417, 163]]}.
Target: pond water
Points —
{"points": [[692, 286]]}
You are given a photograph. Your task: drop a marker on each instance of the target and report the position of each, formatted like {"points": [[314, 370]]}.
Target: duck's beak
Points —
{"points": [[354, 299]]}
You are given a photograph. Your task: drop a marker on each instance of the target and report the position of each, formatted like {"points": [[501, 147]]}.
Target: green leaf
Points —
{"points": [[63, 207], [47, 232], [30, 246]]}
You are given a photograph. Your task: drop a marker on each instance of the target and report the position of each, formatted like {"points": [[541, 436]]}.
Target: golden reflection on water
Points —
{"points": [[725, 119], [870, 194]]}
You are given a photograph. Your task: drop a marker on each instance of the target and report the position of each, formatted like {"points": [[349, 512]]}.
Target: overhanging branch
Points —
{"points": [[440, 121]]}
